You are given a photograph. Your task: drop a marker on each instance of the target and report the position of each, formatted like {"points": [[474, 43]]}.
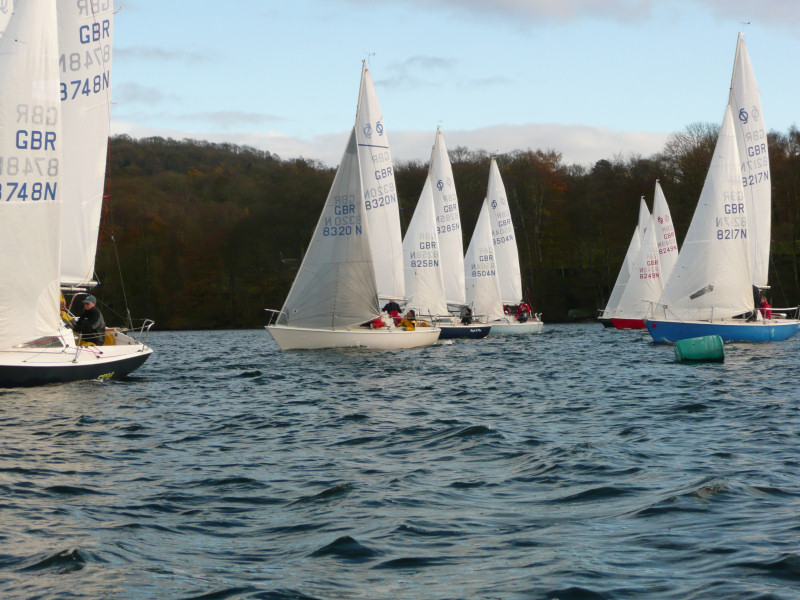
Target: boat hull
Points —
{"points": [[27, 368], [456, 332], [628, 323], [773, 330], [606, 322], [301, 338], [516, 328]]}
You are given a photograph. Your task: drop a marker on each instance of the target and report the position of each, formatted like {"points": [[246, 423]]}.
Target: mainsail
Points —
{"points": [[380, 193], [506, 254], [30, 194], [85, 32], [751, 140], [448, 222]]}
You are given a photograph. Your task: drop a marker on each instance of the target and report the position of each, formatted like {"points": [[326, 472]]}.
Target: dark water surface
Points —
{"points": [[579, 463]]}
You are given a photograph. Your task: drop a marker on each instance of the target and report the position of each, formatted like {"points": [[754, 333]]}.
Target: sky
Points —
{"points": [[591, 79]]}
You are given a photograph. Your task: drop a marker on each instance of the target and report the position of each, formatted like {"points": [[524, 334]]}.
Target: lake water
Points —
{"points": [[579, 463]]}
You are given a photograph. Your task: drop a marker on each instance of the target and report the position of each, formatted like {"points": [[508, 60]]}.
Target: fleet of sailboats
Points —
{"points": [[357, 258], [54, 137]]}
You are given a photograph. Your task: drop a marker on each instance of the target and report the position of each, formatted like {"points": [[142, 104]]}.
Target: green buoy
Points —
{"points": [[700, 349]]}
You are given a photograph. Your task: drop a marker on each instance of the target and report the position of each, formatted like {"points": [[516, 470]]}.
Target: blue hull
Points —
{"points": [[473, 332], [770, 331]]}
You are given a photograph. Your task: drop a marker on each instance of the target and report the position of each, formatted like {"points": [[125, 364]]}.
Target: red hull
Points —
{"points": [[628, 323]]}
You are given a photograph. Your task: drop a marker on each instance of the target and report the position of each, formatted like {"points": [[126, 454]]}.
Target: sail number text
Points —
{"points": [[345, 220]]}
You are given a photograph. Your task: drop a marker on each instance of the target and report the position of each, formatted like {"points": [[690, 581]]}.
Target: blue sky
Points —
{"points": [[590, 78]]}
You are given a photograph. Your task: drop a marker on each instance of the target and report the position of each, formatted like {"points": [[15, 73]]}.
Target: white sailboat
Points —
{"points": [[627, 266], [506, 254], [424, 259], [652, 267], [333, 301], [727, 245], [35, 347], [710, 289]]}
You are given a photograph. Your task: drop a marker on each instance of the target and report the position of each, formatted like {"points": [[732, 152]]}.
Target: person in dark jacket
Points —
{"points": [[91, 325]]}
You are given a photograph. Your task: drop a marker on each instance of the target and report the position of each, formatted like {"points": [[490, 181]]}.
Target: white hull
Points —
{"points": [[39, 365], [513, 327], [300, 338]]}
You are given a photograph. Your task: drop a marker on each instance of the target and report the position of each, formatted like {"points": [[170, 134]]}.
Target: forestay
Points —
{"points": [[751, 139], [711, 278], [85, 31], [335, 285], [448, 222], [30, 201], [480, 271], [422, 259], [380, 193], [506, 254]]}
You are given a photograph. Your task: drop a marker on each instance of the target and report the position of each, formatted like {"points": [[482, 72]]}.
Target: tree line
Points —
{"points": [[198, 235]]}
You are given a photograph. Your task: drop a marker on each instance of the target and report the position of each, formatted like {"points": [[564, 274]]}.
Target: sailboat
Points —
{"points": [[506, 254], [37, 137], [627, 266], [423, 256], [710, 290], [727, 246], [653, 265], [334, 299]]}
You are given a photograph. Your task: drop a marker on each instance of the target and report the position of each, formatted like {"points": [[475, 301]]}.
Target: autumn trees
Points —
{"points": [[208, 235]]}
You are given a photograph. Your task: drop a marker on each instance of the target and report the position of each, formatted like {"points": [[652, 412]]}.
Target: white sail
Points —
{"points": [[645, 284], [664, 235], [84, 35], [422, 259], [6, 10], [751, 139], [30, 185], [448, 221], [380, 193], [711, 278], [628, 262], [335, 285], [504, 239], [480, 271]]}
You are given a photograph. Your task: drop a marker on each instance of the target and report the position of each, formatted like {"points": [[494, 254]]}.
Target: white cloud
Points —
{"points": [[578, 144]]}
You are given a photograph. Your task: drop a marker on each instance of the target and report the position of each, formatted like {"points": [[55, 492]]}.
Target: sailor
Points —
{"points": [[91, 325]]}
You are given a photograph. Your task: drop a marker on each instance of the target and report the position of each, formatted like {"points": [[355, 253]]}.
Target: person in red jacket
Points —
{"points": [[765, 308]]}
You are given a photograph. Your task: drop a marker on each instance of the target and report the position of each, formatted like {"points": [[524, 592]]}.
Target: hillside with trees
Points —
{"points": [[201, 236]]}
